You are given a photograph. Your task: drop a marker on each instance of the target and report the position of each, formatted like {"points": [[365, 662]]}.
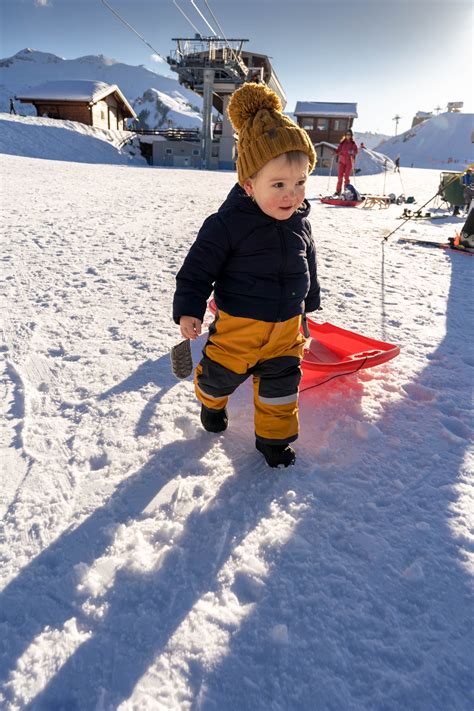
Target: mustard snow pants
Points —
{"points": [[271, 353]]}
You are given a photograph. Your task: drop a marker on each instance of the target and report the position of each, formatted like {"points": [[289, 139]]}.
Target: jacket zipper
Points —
{"points": [[282, 268]]}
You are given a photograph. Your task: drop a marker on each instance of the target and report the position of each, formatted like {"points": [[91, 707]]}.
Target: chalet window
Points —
{"points": [[196, 151], [214, 151], [340, 124], [169, 151], [322, 124], [102, 115], [307, 124]]}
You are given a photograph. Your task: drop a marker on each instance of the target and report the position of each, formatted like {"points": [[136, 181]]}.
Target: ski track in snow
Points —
{"points": [[149, 565]]}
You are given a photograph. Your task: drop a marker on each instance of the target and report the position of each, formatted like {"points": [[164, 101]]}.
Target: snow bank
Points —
{"points": [[370, 162], [64, 140]]}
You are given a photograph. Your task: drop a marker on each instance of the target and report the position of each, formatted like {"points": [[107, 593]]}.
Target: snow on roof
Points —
{"points": [[74, 90], [324, 108], [69, 90]]}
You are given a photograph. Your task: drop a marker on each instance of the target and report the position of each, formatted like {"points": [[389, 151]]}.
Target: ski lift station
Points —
{"points": [[214, 68]]}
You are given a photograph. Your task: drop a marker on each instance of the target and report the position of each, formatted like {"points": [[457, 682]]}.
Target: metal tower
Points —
{"points": [[212, 67]]}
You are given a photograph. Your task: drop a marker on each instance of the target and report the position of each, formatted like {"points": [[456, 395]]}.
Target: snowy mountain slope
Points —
{"points": [[147, 564], [38, 137], [29, 67], [155, 108], [369, 139], [442, 142]]}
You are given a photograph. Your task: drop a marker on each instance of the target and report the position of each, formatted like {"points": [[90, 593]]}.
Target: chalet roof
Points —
{"points": [[325, 108], [325, 143], [74, 90]]}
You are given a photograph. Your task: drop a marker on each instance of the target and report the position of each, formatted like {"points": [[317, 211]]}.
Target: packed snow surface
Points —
{"points": [[147, 564]]}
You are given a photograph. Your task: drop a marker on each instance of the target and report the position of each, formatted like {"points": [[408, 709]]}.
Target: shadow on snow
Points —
{"points": [[370, 586]]}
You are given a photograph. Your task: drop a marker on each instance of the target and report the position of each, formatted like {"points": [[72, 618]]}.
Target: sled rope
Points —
{"points": [[338, 375]]}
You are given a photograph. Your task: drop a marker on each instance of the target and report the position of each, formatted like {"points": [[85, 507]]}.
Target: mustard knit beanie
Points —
{"points": [[264, 131]]}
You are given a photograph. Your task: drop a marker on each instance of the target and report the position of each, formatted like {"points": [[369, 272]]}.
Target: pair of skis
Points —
{"points": [[441, 245]]}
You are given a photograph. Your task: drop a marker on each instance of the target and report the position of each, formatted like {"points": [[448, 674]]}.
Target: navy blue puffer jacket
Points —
{"points": [[259, 267]]}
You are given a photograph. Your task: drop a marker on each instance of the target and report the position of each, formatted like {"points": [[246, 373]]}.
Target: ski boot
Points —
{"points": [[214, 420], [277, 455]]}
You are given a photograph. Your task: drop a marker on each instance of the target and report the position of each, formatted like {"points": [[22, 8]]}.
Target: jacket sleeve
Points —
{"points": [[313, 297], [195, 279]]}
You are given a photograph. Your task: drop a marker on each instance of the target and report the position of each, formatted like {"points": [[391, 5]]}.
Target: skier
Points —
{"points": [[12, 106], [258, 253], [346, 153], [397, 164]]}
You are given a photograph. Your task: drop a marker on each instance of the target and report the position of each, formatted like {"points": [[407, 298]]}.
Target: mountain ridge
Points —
{"points": [[29, 67]]}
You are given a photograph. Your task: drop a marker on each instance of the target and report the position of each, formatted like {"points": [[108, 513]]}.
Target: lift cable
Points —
{"points": [[187, 18], [129, 26], [193, 3], [233, 52]]}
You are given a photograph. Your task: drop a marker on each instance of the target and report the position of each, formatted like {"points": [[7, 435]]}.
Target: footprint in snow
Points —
{"points": [[456, 427]]}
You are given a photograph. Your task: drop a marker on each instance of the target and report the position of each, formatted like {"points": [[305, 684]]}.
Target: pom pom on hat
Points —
{"points": [[264, 131], [248, 100]]}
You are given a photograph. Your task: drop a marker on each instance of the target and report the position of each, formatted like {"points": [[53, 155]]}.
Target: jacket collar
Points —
{"points": [[238, 198]]}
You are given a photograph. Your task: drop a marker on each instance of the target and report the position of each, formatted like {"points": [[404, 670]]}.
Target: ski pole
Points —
{"points": [[384, 174], [401, 181], [330, 171], [439, 192]]}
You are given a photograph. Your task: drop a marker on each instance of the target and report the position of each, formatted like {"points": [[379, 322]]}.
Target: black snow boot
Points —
{"points": [[214, 420], [277, 455]]}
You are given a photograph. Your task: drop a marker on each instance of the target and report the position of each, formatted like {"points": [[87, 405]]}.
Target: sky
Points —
{"points": [[391, 57]]}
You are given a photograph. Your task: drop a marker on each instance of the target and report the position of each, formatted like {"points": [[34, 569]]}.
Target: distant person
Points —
{"points": [[351, 192], [468, 182], [362, 144], [346, 153], [258, 254], [397, 164], [12, 106]]}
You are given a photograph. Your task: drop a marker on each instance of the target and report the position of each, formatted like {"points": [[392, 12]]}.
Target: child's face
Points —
{"points": [[279, 187]]}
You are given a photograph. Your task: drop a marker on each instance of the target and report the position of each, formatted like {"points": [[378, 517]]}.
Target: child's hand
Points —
{"points": [[190, 327]]}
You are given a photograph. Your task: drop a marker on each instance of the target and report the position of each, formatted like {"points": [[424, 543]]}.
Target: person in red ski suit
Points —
{"points": [[346, 152]]}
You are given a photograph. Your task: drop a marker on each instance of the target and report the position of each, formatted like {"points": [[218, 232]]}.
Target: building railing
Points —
{"points": [[177, 134]]}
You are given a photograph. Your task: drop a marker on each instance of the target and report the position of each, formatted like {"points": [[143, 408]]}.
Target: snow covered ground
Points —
{"points": [[147, 564]]}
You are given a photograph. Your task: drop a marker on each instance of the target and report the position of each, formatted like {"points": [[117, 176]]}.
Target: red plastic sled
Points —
{"points": [[340, 203], [333, 351]]}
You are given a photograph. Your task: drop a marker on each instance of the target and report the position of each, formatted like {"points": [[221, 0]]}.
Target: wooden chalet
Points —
{"points": [[326, 124], [325, 121], [94, 103]]}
